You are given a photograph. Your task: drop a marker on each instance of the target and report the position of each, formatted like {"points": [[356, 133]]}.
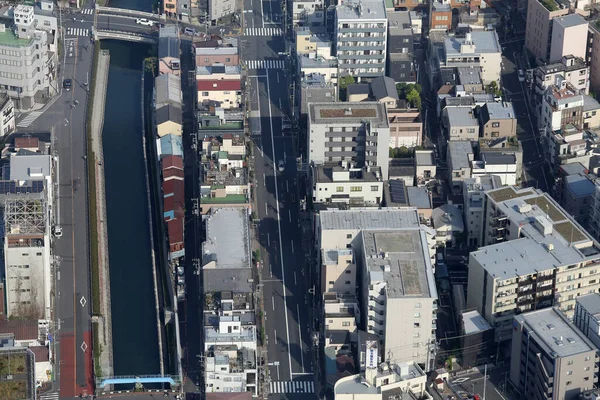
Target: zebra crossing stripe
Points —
{"points": [[77, 32], [87, 11], [292, 387], [263, 32], [49, 396], [28, 120], [265, 64]]}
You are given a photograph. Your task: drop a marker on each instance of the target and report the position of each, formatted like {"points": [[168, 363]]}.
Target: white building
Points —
{"points": [[477, 49], [502, 165], [356, 132], [359, 55], [474, 206], [344, 184], [7, 115], [308, 12], [448, 224], [220, 8], [562, 104], [587, 316], [313, 64], [459, 156], [569, 37]]}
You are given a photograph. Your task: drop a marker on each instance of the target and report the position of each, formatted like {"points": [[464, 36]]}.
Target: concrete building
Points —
{"points": [[386, 381], [212, 52], [230, 345], [448, 224], [497, 120], [593, 56], [425, 167], [479, 49], [168, 120], [170, 7], [28, 72], [27, 219], [406, 127], [574, 189], [335, 183], [569, 37], [440, 16], [503, 166], [550, 357], [46, 19], [534, 256], [459, 157], [397, 194], [474, 206], [361, 58], [338, 271], [314, 88], [169, 59], [313, 40], [341, 313], [349, 132], [308, 12], [218, 9], [400, 48], [218, 72], [223, 93], [460, 123], [562, 105], [587, 316], [317, 65], [540, 17], [7, 115], [594, 216]]}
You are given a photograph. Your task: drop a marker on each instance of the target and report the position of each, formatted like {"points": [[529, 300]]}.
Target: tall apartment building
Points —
{"points": [[474, 205], [550, 357], [594, 217], [587, 316], [392, 299], [571, 69], [361, 28], [593, 56], [534, 256], [400, 48], [356, 132], [28, 68], [569, 37], [540, 16]]}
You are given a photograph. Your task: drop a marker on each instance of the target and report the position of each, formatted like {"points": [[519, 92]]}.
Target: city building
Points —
{"points": [[400, 48], [218, 72], [594, 218], [425, 167], [569, 37], [540, 20], [440, 16], [460, 123], [550, 357], [381, 89], [212, 51], [341, 314], [469, 80], [308, 12], [479, 49], [410, 4], [562, 105], [459, 157], [350, 132], [7, 115], [167, 90], [327, 68], [313, 40], [398, 194], [448, 225], [497, 120], [474, 206], [27, 82], [361, 58], [335, 183], [218, 9], [314, 88], [587, 316], [534, 256], [45, 19], [475, 333], [574, 189], [386, 381], [168, 120], [217, 121], [570, 145], [222, 93], [406, 127], [593, 55], [501, 165], [169, 61], [170, 7], [338, 271], [505, 146], [226, 258], [230, 343]]}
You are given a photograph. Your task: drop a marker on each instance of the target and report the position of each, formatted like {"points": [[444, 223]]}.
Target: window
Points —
{"points": [[348, 271], [417, 315], [348, 282], [204, 94], [374, 188], [349, 236], [346, 323], [495, 124], [416, 325], [568, 383], [582, 81], [569, 372], [331, 282], [586, 368], [339, 189], [355, 188]]}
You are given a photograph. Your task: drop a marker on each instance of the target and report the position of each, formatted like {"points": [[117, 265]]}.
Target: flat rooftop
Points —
{"points": [[548, 326], [346, 113], [361, 10], [484, 42], [461, 117], [335, 173], [461, 153], [227, 239], [398, 258], [368, 218], [591, 303], [473, 322]]}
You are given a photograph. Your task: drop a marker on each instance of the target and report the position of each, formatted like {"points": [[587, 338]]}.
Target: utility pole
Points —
{"points": [[484, 379]]}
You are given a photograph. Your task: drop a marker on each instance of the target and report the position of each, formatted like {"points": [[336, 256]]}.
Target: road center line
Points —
{"points": [[265, 180], [287, 186], [275, 335], [290, 215], [287, 328], [292, 246], [295, 280]]}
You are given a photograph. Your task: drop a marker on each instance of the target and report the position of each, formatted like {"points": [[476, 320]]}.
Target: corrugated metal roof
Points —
{"points": [[172, 162]]}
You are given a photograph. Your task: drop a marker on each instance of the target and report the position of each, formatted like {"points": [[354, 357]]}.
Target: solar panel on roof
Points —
{"points": [[397, 191]]}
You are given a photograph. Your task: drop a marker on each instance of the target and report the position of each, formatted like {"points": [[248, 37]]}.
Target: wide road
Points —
{"points": [[284, 275], [66, 117]]}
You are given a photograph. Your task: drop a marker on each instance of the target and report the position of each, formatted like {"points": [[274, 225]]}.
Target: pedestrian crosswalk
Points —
{"points": [[292, 387], [28, 120], [265, 64], [263, 32], [78, 32], [49, 396], [87, 11]]}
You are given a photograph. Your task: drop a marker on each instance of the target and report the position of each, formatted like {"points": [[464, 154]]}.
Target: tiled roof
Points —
{"points": [[41, 353], [172, 161], [23, 330], [26, 142], [212, 85]]}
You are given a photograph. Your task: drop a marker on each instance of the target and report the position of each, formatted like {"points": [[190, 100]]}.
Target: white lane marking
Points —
{"points": [[290, 215], [295, 280], [280, 102], [265, 180], [287, 186], [275, 335], [278, 77], [266, 208], [300, 335], [292, 246], [273, 301], [287, 327]]}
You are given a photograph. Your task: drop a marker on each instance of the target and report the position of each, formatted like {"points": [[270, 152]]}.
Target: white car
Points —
{"points": [[281, 166], [521, 76], [144, 21]]}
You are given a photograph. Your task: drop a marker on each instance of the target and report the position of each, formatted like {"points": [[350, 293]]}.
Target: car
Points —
{"points": [[280, 166], [67, 83], [191, 32], [144, 21], [57, 230], [521, 76]]}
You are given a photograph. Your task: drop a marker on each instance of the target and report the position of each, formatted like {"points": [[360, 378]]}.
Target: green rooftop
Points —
{"points": [[229, 199], [227, 125], [8, 38], [549, 4]]}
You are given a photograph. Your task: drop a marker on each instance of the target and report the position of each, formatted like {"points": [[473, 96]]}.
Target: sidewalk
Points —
{"points": [[104, 320]]}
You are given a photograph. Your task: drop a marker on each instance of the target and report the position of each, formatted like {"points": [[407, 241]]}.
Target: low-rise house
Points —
{"points": [[224, 93], [448, 224], [213, 51], [326, 67], [497, 119], [400, 67], [218, 72], [217, 121], [308, 12], [460, 123], [335, 183], [168, 120], [169, 145], [459, 156], [570, 145], [397, 194], [406, 126], [425, 166], [168, 90], [169, 59], [502, 165], [172, 168], [440, 16], [504, 145]]}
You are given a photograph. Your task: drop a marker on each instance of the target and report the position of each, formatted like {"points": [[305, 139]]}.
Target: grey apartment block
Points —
{"points": [[353, 132], [361, 38], [220, 8], [550, 357]]}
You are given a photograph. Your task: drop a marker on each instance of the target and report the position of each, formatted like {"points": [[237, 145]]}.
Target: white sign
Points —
{"points": [[372, 357]]}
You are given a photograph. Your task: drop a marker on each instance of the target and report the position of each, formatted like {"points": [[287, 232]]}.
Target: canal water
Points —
{"points": [[135, 339]]}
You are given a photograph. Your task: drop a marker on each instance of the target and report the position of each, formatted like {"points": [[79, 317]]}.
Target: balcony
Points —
{"points": [[361, 47], [361, 30]]}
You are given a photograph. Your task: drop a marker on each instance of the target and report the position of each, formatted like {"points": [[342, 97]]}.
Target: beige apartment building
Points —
{"points": [[540, 15], [497, 120], [569, 37], [593, 57], [338, 271], [406, 127], [534, 256], [341, 313]]}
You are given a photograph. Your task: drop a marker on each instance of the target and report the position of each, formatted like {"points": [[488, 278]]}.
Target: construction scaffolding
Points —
{"points": [[25, 215]]}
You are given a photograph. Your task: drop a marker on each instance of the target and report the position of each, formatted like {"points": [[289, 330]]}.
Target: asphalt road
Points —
{"points": [[72, 303], [284, 275], [475, 383]]}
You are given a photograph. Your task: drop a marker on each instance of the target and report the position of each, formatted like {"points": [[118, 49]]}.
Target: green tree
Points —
{"points": [[344, 81], [151, 64], [414, 98]]}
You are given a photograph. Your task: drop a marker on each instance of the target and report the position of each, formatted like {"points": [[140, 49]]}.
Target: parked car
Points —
{"points": [[191, 32], [521, 76], [144, 21], [67, 83], [280, 166]]}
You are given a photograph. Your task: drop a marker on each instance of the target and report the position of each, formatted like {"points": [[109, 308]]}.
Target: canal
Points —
{"points": [[134, 334]]}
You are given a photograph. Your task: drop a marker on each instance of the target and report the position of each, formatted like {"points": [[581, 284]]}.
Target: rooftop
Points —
{"points": [[30, 167], [473, 322], [576, 63], [496, 158], [398, 258], [579, 185], [168, 88], [483, 41], [424, 157], [355, 113], [8, 38], [570, 20], [227, 239], [334, 173], [469, 76], [460, 117], [368, 218], [361, 9], [497, 110], [418, 197], [461, 153], [552, 331]]}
